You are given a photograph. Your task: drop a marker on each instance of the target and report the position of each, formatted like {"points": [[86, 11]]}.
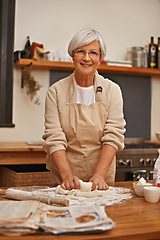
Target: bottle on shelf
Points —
{"points": [[25, 53], [156, 171], [158, 53], [152, 60]]}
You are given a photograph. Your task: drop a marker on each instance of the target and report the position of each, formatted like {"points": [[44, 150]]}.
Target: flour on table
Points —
{"points": [[85, 191]]}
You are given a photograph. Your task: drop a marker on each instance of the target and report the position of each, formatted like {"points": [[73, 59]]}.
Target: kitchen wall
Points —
{"points": [[123, 23]]}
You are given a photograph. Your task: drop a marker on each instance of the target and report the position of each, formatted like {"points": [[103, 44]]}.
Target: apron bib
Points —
{"points": [[83, 126]]}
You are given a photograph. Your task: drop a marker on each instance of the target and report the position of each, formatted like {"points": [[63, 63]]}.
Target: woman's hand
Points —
{"points": [[98, 183], [70, 183]]}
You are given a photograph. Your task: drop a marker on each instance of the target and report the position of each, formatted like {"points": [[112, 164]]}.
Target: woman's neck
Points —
{"points": [[84, 80]]}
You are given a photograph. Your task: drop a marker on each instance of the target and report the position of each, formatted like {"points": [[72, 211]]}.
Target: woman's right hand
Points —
{"points": [[71, 183]]}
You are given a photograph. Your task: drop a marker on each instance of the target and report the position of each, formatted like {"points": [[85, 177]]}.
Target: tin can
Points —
{"points": [[139, 57]]}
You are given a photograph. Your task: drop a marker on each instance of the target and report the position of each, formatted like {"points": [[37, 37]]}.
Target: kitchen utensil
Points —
{"points": [[2, 191], [24, 195]]}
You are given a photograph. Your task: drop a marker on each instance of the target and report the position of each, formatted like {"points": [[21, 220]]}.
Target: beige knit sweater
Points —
{"points": [[56, 98]]}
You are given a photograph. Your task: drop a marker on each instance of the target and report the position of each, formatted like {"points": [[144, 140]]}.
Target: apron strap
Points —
{"points": [[72, 90]]}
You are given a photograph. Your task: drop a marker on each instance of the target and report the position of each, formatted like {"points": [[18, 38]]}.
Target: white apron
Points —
{"points": [[83, 126]]}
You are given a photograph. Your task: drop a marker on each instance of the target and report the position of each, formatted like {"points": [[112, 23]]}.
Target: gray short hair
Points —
{"points": [[85, 37]]}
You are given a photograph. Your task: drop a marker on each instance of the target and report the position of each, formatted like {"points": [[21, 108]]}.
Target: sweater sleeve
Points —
{"points": [[115, 124], [54, 136]]}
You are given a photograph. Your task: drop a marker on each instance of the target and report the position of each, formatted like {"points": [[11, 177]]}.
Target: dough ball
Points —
{"points": [[85, 186], [60, 190]]}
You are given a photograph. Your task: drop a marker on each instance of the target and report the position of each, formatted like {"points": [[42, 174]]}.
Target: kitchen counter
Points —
{"points": [[19, 146], [134, 219], [14, 153]]}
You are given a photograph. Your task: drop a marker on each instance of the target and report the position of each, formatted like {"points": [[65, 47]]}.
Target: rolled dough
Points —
{"points": [[85, 191]]}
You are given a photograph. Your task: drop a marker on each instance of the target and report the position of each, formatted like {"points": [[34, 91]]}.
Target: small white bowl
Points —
{"points": [[139, 189], [158, 135], [152, 194]]}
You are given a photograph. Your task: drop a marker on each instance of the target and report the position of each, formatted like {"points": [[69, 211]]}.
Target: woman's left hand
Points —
{"points": [[98, 183]]}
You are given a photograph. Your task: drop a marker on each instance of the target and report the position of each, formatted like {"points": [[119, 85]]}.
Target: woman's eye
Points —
{"points": [[80, 51], [94, 53]]}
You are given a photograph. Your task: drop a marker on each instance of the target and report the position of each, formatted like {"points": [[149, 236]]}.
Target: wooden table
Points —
{"points": [[134, 219]]}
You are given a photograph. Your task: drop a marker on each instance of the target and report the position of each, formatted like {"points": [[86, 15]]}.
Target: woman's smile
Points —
{"points": [[86, 65]]}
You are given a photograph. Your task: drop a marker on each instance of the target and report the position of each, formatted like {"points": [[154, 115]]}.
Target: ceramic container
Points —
{"points": [[152, 194], [139, 189]]}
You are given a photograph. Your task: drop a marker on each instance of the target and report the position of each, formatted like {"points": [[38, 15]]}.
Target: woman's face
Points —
{"points": [[87, 58]]}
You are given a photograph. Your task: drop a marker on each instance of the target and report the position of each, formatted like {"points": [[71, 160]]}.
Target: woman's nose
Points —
{"points": [[86, 56]]}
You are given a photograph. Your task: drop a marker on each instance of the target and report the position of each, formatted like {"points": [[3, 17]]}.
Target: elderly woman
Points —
{"points": [[84, 122]]}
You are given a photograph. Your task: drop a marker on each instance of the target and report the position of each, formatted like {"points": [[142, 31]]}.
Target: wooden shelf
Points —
{"points": [[43, 64], [103, 68]]}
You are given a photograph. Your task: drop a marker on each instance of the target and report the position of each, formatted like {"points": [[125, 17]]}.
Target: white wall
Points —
{"points": [[123, 23]]}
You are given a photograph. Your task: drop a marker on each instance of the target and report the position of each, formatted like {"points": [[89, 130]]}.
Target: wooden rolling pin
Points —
{"points": [[2, 191], [25, 195]]}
